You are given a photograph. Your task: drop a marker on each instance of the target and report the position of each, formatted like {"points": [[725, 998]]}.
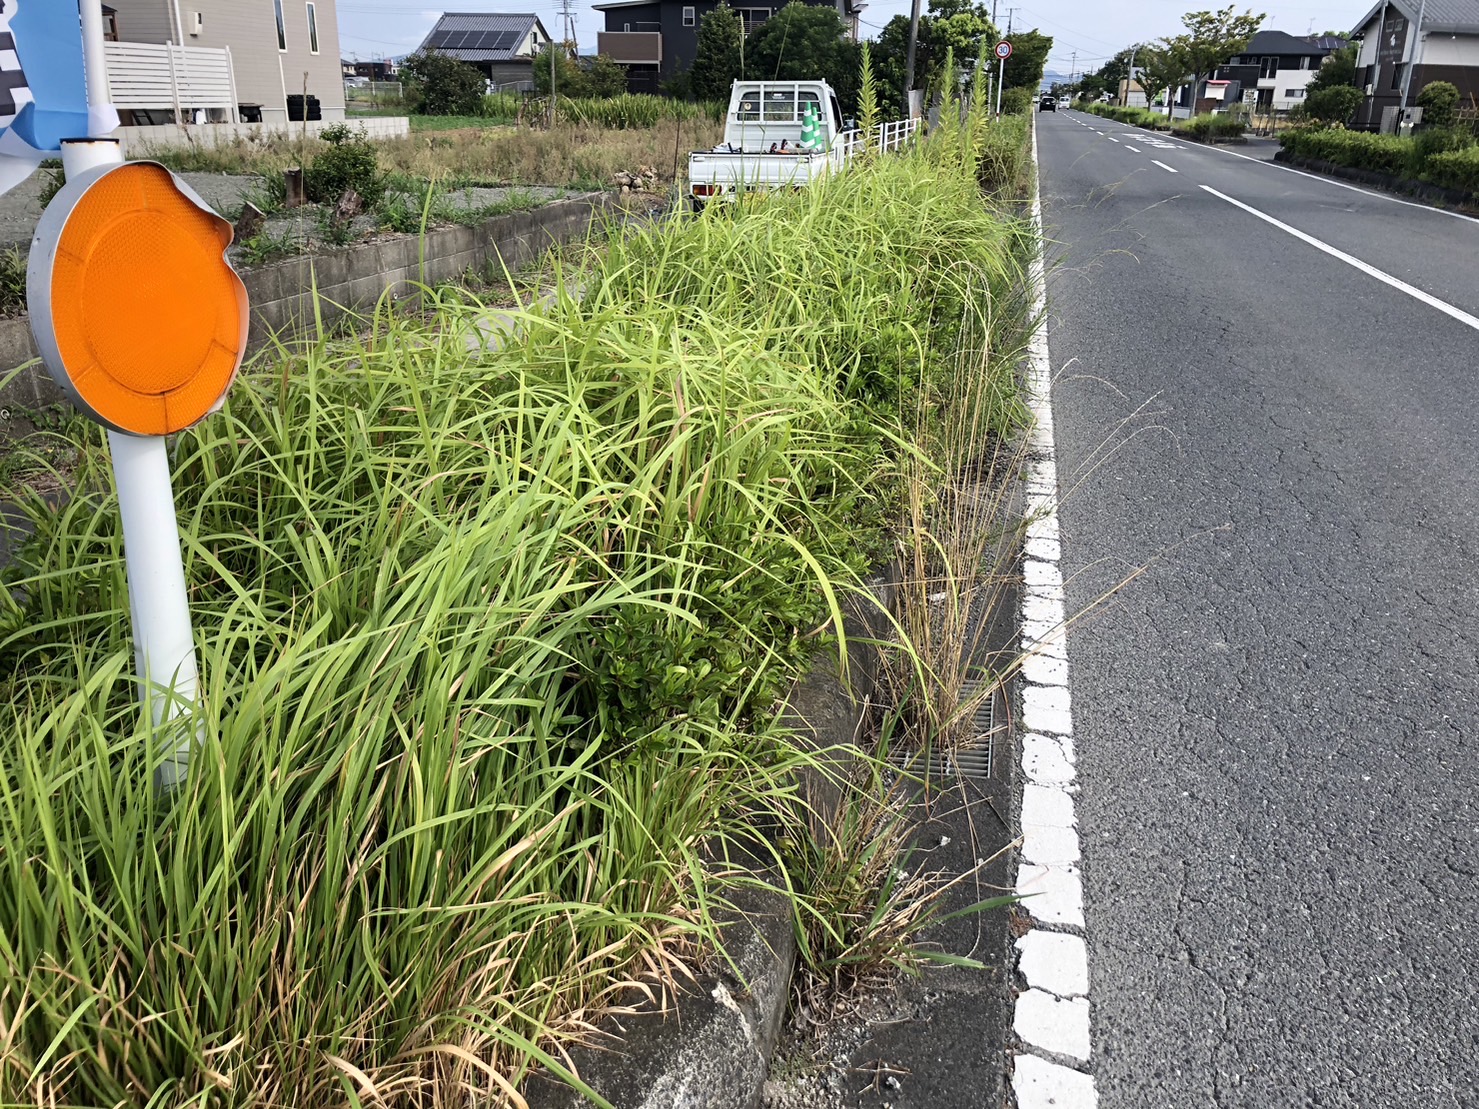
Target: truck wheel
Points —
{"points": [[695, 205]]}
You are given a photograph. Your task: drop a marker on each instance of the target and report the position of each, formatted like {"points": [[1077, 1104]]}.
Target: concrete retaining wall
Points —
{"points": [[138, 140], [282, 294]]}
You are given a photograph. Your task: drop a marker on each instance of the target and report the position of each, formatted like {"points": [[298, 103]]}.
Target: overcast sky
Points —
{"points": [[1092, 28]]}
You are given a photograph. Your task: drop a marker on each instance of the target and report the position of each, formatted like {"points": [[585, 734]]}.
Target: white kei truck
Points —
{"points": [[763, 141]]}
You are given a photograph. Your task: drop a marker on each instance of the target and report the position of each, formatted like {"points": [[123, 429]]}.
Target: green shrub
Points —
{"points": [[1431, 141], [1017, 102], [1333, 105], [1135, 117], [1209, 128], [349, 162], [437, 85], [1357, 149], [1455, 169], [1438, 101]]}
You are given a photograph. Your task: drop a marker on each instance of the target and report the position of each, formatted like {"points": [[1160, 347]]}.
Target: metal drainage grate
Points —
{"points": [[977, 760]]}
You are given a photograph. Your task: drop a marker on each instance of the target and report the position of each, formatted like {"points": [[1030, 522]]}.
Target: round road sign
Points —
{"points": [[1003, 50], [135, 310]]}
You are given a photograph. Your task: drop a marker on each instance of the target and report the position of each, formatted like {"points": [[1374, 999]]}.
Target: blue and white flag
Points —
{"points": [[43, 89]]}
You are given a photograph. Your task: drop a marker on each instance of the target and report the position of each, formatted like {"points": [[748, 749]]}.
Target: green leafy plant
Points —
{"points": [[1017, 102], [267, 246], [12, 281], [349, 161], [1210, 128], [1455, 169], [439, 85], [1335, 104], [1438, 100]]}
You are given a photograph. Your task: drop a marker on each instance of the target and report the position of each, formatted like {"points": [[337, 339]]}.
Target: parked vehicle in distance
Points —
{"points": [[1048, 104], [356, 82], [763, 145]]}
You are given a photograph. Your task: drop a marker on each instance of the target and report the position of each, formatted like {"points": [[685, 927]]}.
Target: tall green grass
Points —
{"points": [[491, 635]]}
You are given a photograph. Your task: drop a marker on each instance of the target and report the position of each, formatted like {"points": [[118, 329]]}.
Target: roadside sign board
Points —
{"points": [[136, 312], [1003, 50]]}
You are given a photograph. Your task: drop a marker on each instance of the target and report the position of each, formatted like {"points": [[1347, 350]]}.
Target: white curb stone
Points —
{"points": [[1056, 1024], [1053, 894], [1054, 961], [1042, 1085]]}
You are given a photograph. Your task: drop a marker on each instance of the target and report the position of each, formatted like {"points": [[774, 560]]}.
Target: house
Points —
{"points": [[249, 58], [1394, 54], [657, 39], [378, 70], [1273, 71], [1130, 93], [502, 46]]}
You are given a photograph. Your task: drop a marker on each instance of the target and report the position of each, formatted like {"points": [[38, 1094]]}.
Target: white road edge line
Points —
{"points": [[1350, 260], [1331, 181], [1165, 167], [1051, 1017]]}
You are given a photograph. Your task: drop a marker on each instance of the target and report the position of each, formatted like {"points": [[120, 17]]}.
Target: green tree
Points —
{"points": [[606, 77], [1339, 69], [1336, 104], [719, 58], [1029, 57], [1161, 68], [438, 85], [1438, 101], [570, 79], [1211, 38], [801, 42]]}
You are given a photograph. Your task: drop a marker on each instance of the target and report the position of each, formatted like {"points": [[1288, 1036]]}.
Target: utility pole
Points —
{"points": [[1413, 53], [909, 64], [1130, 77], [551, 85]]}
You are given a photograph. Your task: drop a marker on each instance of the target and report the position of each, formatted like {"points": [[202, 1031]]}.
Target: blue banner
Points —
{"points": [[43, 90]]}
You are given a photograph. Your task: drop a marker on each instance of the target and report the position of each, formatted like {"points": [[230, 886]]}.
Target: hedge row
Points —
{"points": [[1440, 157], [1135, 117], [1208, 128]]}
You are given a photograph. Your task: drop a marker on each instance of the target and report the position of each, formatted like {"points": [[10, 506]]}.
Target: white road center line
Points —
{"points": [[1165, 167], [1111, 138], [1370, 270], [1136, 149]]}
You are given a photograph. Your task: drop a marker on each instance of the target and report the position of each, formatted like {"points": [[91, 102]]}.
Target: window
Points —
{"points": [[1304, 62], [282, 27], [312, 29], [1397, 76], [1268, 67], [689, 19], [780, 107], [1294, 94]]}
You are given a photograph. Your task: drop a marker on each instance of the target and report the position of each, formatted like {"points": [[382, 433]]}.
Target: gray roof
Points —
{"points": [[480, 36], [1280, 43], [1450, 16]]}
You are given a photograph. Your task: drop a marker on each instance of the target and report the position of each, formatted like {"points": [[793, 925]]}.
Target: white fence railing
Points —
{"points": [[891, 136], [152, 75]]}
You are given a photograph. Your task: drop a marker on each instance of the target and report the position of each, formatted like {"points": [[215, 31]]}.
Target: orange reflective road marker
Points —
{"points": [[140, 312]]}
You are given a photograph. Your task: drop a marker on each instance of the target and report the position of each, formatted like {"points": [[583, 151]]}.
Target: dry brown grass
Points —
{"points": [[574, 156]]}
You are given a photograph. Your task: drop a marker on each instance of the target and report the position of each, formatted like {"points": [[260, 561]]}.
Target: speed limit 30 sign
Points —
{"points": [[1003, 50]]}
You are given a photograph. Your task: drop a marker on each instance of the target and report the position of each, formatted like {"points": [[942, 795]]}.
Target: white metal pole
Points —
{"points": [[1414, 48], [1000, 80], [94, 60], [164, 645]]}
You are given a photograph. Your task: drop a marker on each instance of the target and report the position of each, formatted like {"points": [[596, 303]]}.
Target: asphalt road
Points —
{"points": [[1269, 461]]}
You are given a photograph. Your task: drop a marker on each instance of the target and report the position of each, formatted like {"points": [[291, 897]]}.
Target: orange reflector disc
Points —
{"points": [[148, 318]]}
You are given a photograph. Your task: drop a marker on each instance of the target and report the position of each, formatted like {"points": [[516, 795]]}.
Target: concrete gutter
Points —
{"points": [[711, 1046]]}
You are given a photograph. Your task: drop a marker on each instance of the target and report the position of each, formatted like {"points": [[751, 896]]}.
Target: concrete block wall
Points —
{"points": [[354, 279], [138, 141]]}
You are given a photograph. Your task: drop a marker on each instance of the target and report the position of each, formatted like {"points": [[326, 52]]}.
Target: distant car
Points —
{"points": [[356, 82], [1048, 104]]}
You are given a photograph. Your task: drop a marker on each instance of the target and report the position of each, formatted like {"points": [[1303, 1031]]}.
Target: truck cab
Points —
{"points": [[762, 145]]}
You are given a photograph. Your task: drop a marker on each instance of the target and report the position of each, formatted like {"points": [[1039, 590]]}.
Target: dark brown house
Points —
{"points": [[1396, 52]]}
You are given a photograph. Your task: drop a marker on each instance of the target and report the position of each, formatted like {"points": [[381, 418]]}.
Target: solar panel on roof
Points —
{"points": [[437, 40], [504, 40]]}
